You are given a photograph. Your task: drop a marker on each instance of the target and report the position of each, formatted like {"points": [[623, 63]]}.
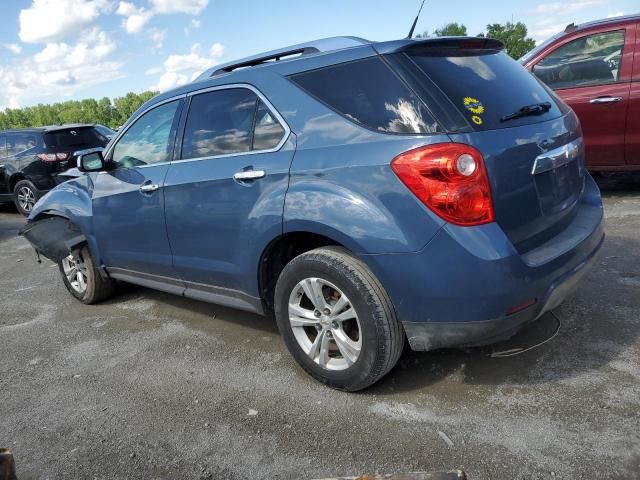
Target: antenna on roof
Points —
{"points": [[415, 22]]}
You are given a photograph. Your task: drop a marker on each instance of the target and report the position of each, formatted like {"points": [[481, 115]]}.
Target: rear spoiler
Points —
{"points": [[440, 45]]}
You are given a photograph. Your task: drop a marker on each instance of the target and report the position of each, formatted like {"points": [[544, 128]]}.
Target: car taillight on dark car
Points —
{"points": [[53, 157], [450, 179]]}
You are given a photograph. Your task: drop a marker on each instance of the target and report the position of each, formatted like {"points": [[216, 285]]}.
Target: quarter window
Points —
{"points": [[369, 93], [149, 140], [589, 60], [19, 143]]}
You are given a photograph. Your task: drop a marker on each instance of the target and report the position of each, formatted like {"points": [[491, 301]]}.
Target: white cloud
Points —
{"points": [[137, 17], [193, 25], [193, 7], [615, 14], [180, 69], [564, 8], [61, 69], [544, 31], [158, 37], [13, 47], [47, 20]]}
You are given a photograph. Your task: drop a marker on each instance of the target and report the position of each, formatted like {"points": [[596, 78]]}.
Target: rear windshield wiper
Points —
{"points": [[535, 109]]}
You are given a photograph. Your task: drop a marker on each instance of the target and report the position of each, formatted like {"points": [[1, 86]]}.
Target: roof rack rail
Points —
{"points": [[317, 46]]}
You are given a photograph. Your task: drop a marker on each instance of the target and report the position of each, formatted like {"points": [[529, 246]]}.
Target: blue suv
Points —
{"points": [[368, 194]]}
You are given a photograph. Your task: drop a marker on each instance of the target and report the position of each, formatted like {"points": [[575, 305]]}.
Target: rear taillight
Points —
{"points": [[450, 179], [53, 157]]}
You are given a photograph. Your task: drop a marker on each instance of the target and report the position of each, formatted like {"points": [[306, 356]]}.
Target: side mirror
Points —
{"points": [[90, 160]]}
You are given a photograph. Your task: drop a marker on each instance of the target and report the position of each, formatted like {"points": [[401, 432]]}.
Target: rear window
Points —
{"points": [[75, 138], [369, 93], [486, 86]]}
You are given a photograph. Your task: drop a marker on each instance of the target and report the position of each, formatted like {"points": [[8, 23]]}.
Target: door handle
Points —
{"points": [[249, 175], [605, 100], [149, 187]]}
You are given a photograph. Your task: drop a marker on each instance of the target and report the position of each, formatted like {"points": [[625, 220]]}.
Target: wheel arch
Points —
{"points": [[281, 250]]}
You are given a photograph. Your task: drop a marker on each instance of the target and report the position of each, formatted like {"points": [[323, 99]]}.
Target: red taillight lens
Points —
{"points": [[450, 179], [53, 157]]}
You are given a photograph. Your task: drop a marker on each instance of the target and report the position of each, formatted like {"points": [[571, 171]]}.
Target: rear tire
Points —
{"points": [[348, 337], [25, 196], [82, 278]]}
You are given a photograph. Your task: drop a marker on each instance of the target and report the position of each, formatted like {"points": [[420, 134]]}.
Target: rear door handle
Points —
{"points": [[605, 100], [249, 175], [149, 187]]}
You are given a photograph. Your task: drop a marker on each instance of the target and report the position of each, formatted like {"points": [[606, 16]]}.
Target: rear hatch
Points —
{"points": [[534, 158], [65, 141]]}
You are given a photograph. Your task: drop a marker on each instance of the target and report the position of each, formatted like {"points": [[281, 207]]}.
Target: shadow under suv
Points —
{"points": [[366, 193], [31, 159]]}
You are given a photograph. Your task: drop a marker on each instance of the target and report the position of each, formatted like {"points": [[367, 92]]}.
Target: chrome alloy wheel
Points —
{"points": [[325, 324], [75, 270], [26, 198]]}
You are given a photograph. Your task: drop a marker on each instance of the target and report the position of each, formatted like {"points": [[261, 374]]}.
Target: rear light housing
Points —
{"points": [[450, 179], [53, 157]]}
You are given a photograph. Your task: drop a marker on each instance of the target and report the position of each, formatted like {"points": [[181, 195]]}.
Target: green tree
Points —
{"points": [[105, 111], [452, 29], [514, 37]]}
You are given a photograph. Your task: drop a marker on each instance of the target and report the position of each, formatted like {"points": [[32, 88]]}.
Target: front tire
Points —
{"points": [[336, 319], [81, 277], [25, 196]]}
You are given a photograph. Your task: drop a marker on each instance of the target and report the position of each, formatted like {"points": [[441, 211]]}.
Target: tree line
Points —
{"points": [[513, 35], [110, 112]]}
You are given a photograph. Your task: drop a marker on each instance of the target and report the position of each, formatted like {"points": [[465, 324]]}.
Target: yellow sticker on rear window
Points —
{"points": [[474, 105]]}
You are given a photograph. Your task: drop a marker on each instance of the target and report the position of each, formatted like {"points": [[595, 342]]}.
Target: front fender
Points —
{"points": [[70, 201]]}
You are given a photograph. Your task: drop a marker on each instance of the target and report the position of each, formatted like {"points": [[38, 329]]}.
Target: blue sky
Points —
{"points": [[54, 50]]}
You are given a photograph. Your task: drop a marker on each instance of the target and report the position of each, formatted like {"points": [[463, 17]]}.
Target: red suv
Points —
{"points": [[595, 68]]}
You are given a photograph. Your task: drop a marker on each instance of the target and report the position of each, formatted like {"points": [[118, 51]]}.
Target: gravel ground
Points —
{"points": [[149, 385]]}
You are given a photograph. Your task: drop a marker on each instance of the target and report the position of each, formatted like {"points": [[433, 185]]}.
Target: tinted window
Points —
{"points": [[21, 142], [3, 146], [368, 92], [590, 60], [486, 86], [268, 132], [219, 123], [149, 139], [75, 138]]}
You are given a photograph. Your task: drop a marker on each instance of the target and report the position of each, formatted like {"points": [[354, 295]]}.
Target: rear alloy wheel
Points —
{"points": [[82, 278], [336, 319], [25, 196], [325, 324]]}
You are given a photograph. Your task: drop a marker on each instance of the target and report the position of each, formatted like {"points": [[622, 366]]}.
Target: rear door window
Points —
{"points": [[589, 60], [369, 93], [485, 85], [75, 138], [219, 123], [227, 122]]}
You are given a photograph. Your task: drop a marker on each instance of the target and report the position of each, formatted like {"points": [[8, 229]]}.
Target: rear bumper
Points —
{"points": [[459, 290]]}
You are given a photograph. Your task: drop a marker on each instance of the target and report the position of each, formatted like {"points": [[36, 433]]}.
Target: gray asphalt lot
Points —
{"points": [[150, 385]]}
